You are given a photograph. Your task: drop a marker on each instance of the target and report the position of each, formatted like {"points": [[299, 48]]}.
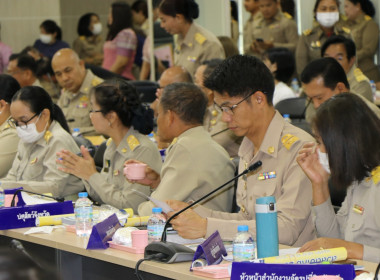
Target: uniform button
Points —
{"points": [[242, 209]]}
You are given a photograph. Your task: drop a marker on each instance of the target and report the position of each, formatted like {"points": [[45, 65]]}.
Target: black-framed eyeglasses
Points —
{"points": [[13, 123], [95, 111], [229, 110]]}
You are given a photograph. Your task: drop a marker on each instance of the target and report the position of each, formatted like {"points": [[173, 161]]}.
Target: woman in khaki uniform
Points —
{"points": [[194, 44], [328, 23], [8, 135], [89, 44], [43, 132], [352, 160], [117, 113], [365, 33]]}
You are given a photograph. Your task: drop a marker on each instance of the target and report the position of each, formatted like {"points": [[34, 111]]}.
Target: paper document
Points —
{"points": [[164, 206], [35, 199]]}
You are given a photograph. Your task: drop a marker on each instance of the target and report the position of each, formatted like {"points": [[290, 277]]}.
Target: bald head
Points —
{"points": [[69, 69], [175, 74]]}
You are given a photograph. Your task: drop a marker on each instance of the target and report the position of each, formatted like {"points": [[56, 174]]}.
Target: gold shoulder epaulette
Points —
{"points": [[199, 38], [367, 17], [132, 142], [288, 140], [108, 142], [95, 81], [375, 174], [48, 135], [307, 32], [343, 17], [83, 38], [287, 15], [346, 29], [359, 76]]}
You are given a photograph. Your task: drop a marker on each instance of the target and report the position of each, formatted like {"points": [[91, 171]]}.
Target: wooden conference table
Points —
{"points": [[67, 253]]}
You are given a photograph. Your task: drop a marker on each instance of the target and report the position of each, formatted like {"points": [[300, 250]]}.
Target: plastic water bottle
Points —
{"points": [[76, 132], [295, 86], [287, 118], [373, 87], [244, 247], [2, 196], [156, 224], [151, 137], [83, 215]]}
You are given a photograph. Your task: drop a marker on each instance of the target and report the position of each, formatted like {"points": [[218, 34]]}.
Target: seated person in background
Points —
{"points": [[344, 51], [348, 151], [76, 82], [89, 44], [117, 113], [273, 29], [252, 7], [50, 39], [281, 63], [23, 68], [8, 135], [213, 119], [43, 132], [5, 53], [322, 79], [243, 88], [195, 164]]}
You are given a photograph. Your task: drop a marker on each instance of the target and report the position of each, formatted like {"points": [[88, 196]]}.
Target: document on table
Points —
{"points": [[35, 199]]}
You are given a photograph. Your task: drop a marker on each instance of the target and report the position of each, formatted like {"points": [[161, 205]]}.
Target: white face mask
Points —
{"points": [[29, 134], [327, 19], [46, 38], [97, 28], [324, 161]]}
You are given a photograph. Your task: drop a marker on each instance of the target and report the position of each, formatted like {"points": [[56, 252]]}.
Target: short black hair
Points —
{"points": [[327, 68], [8, 87], [366, 5], [187, 100], [348, 44], [140, 6], [240, 75], [83, 28], [286, 64], [188, 8], [26, 62], [350, 132], [51, 27], [319, 1]]}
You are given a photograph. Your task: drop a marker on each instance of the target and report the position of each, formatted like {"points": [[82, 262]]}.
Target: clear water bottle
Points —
{"points": [[244, 247], [373, 87], [151, 137], [76, 132], [83, 215], [287, 118], [295, 86], [156, 224], [2, 196]]}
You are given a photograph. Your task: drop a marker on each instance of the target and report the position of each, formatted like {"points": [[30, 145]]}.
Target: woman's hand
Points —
{"points": [[152, 178], [82, 167]]}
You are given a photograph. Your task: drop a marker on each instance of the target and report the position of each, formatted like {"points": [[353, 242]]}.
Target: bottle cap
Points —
{"points": [[157, 210], [76, 129], [82, 194], [286, 116], [242, 228]]}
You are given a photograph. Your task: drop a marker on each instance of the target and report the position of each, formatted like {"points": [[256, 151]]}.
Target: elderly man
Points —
{"points": [[244, 88], [76, 82], [23, 68], [195, 164]]}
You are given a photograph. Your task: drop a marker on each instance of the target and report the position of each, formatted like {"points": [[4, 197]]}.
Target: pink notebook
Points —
{"points": [[213, 271], [128, 249]]}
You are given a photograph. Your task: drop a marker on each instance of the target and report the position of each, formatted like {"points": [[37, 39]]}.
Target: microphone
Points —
{"points": [[173, 252], [44, 195]]}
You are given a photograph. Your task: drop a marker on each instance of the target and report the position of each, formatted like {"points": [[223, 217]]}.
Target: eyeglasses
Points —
{"points": [[95, 111], [13, 123], [229, 110]]}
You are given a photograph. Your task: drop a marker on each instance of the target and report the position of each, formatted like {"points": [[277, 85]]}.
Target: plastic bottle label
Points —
{"points": [[155, 232], [2, 198], [243, 252]]}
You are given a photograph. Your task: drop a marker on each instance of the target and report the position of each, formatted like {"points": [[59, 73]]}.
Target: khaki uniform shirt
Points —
{"points": [[110, 186], [365, 33], [310, 43], [290, 186], [359, 83], [194, 166], [357, 220], [8, 147], [198, 46], [281, 30], [247, 33], [35, 168], [219, 131], [89, 48], [76, 106]]}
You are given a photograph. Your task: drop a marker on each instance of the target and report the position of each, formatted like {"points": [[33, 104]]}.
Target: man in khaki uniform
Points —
{"points": [[76, 82], [23, 68], [322, 79], [197, 46], [194, 164], [310, 43], [344, 51], [252, 7], [213, 119], [244, 89], [273, 29]]}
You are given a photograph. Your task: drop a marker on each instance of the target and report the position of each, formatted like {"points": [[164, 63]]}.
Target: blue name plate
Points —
{"points": [[102, 233], [25, 216], [258, 271]]}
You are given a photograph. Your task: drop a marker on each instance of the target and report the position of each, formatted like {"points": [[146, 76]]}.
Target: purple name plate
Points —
{"points": [[102, 233]]}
